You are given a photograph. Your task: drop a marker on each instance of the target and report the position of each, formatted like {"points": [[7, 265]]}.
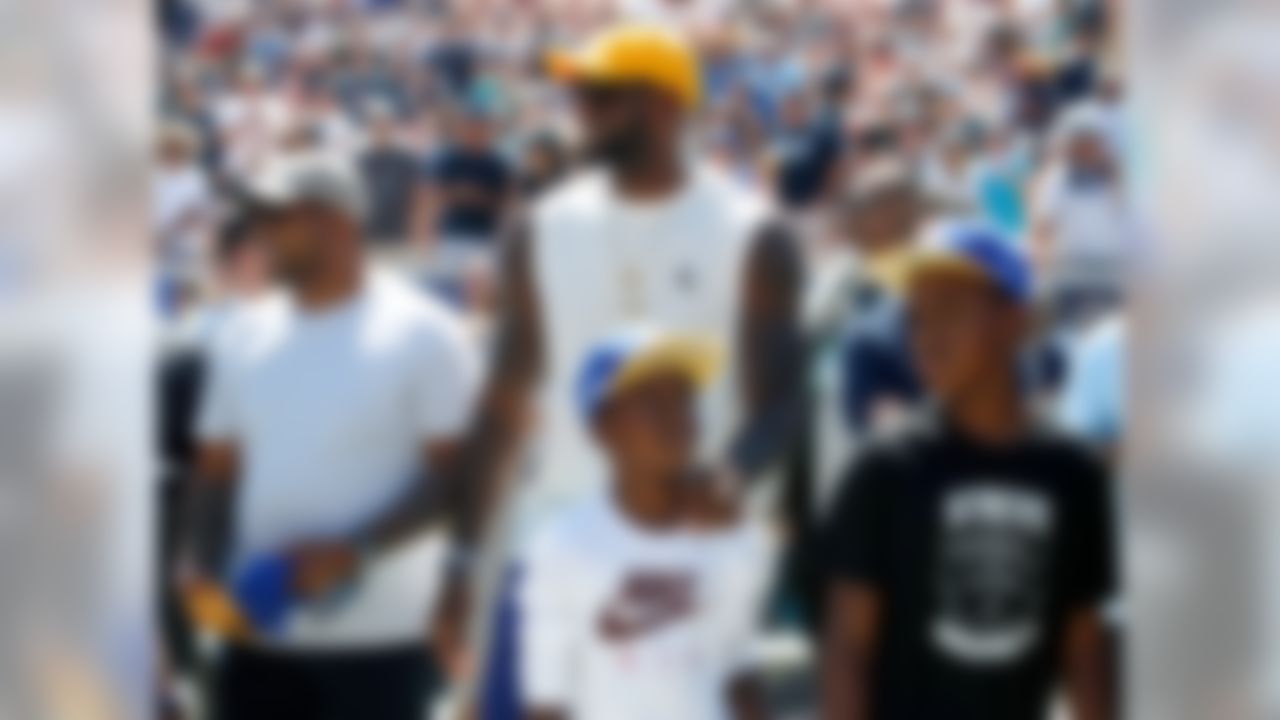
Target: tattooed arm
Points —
{"points": [[771, 347], [490, 446]]}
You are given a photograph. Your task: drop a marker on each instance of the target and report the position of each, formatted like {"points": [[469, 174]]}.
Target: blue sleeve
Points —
{"points": [[876, 364]]}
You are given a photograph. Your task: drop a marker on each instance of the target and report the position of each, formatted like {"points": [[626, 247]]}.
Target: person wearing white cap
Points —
{"points": [[331, 408], [640, 600], [1085, 228]]}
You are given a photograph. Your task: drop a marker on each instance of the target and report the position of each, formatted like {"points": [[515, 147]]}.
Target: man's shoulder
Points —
{"points": [[245, 320], [745, 205], [413, 309], [582, 192]]}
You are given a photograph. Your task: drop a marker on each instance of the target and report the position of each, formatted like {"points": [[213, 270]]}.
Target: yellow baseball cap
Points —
{"points": [[634, 354], [633, 53]]}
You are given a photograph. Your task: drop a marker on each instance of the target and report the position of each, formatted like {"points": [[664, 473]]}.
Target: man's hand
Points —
{"points": [[319, 568], [1090, 666], [209, 607], [713, 499], [448, 633], [853, 627]]}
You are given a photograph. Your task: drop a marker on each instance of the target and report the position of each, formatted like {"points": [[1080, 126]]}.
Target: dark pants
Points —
{"points": [[359, 685]]}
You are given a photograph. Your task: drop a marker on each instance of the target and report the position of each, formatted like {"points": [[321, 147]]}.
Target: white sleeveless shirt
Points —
{"points": [[600, 263]]}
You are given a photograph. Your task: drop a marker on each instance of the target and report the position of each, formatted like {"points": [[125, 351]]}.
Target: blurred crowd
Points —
{"points": [[1005, 110], [865, 121]]}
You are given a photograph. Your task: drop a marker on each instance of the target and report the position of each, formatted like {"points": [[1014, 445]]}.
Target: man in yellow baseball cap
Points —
{"points": [[633, 85], [646, 231]]}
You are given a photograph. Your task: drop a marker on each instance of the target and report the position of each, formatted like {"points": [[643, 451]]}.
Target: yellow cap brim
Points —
{"points": [[696, 359], [927, 264], [571, 67], [583, 68]]}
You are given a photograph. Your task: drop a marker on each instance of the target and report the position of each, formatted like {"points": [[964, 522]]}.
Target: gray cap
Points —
{"points": [[878, 178], [308, 177]]}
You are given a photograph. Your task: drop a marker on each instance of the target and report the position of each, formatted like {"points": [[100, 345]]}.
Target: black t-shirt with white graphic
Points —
{"points": [[979, 553]]}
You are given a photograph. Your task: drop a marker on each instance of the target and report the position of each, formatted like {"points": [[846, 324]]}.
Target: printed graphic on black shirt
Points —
{"points": [[994, 543]]}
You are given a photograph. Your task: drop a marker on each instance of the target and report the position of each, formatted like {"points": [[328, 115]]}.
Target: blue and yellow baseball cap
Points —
{"points": [[976, 251], [635, 354], [633, 53]]}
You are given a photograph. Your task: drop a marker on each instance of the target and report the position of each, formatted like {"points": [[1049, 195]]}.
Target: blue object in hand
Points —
{"points": [[262, 589]]}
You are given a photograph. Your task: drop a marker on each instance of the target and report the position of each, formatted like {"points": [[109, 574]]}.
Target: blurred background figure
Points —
{"points": [[469, 188], [251, 118], [883, 217], [390, 171], [1085, 230], [183, 211], [806, 154]]}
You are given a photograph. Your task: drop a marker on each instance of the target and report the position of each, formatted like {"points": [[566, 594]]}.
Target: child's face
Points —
{"points": [[961, 330], [651, 426]]}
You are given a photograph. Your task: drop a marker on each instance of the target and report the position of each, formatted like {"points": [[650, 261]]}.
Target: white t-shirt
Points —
{"points": [[622, 623], [601, 262], [331, 412]]}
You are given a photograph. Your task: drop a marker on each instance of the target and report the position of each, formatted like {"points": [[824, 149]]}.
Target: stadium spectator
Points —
{"points": [[806, 153], [1085, 227], [468, 191], [183, 206], [391, 174], [186, 102], [884, 216], [949, 176], [251, 118]]}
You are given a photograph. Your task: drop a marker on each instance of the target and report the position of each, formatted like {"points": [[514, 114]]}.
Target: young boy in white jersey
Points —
{"points": [[640, 600]]}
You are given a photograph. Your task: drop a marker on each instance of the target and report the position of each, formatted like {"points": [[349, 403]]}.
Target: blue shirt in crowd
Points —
{"points": [[486, 175]]}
